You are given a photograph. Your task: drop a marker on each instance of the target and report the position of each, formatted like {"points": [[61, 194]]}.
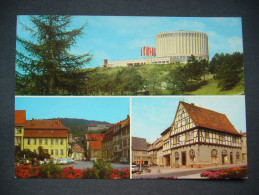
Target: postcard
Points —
{"points": [[129, 97]]}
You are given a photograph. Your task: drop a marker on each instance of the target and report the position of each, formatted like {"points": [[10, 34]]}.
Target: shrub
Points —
{"points": [[71, 173], [26, 171], [50, 170]]}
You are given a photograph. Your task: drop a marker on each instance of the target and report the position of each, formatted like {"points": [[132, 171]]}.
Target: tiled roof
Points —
{"points": [[97, 145], [44, 124], [77, 148], [92, 125], [20, 117], [94, 137], [122, 124], [108, 135], [209, 119], [46, 133], [139, 144]]}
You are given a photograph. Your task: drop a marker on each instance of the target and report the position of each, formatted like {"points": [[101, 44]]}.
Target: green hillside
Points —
{"points": [[78, 127]]}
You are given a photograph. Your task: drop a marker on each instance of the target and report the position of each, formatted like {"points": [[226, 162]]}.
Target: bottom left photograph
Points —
{"points": [[72, 137]]}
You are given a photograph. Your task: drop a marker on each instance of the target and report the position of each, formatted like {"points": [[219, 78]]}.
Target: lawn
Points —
{"points": [[212, 89]]}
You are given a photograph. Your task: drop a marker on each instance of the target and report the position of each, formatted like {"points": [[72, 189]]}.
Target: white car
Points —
{"points": [[134, 168]]}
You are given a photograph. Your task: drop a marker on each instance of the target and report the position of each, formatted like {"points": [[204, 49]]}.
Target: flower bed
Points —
{"points": [[229, 173], [26, 171]]}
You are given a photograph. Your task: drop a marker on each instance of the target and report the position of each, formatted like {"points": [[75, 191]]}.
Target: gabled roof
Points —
{"points": [[78, 149], [209, 119], [46, 133], [139, 144], [122, 124], [20, 117], [44, 124], [97, 145], [95, 137]]}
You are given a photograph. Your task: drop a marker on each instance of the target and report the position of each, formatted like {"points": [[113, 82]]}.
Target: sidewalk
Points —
{"points": [[193, 172]]}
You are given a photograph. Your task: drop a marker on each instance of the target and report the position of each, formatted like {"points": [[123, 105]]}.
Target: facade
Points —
{"points": [[140, 151], [116, 142], [172, 47], [201, 137], [91, 138], [155, 151], [20, 117], [95, 150], [77, 152], [182, 44], [51, 135]]}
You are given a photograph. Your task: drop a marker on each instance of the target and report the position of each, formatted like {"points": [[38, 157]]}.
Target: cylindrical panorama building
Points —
{"points": [[182, 44]]}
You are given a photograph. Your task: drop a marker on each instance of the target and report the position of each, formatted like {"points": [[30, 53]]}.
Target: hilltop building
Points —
{"points": [[96, 127], [52, 135], [176, 46]]}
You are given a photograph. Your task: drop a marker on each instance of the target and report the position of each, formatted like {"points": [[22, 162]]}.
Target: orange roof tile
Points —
{"points": [[20, 117], [209, 119], [44, 124], [94, 137], [97, 145], [46, 133], [77, 148]]}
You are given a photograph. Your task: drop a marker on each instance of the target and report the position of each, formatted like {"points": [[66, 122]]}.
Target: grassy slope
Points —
{"points": [[212, 89]]}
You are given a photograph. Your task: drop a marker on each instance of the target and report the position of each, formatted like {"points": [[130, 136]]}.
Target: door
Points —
{"points": [[231, 158], [184, 158]]}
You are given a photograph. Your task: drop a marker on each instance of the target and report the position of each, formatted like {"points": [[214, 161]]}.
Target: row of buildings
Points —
{"points": [[176, 46], [197, 137], [114, 144]]}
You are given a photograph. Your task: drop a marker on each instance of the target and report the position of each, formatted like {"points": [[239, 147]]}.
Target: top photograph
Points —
{"points": [[128, 56]]}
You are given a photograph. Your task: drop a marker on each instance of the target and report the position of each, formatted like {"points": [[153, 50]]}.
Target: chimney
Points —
{"points": [[192, 104], [58, 120], [32, 119], [127, 116]]}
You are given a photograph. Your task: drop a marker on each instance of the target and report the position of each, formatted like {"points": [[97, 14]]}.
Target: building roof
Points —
{"points": [[209, 119], [97, 145], [124, 123], [139, 144], [95, 137], [20, 117], [92, 125], [44, 124], [46, 133], [166, 131], [108, 135], [78, 149]]}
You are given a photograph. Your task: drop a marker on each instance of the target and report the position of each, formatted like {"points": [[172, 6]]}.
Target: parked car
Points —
{"points": [[63, 161], [134, 168], [93, 159], [124, 161], [70, 160]]}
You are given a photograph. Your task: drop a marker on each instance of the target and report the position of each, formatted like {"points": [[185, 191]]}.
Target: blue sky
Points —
{"points": [[107, 109], [120, 37], [152, 115]]}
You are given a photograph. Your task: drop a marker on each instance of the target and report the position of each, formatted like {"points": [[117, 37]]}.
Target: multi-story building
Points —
{"points": [[166, 146], [140, 151], [107, 144], [51, 135], [20, 117], [116, 142], [155, 151], [96, 127], [201, 137], [94, 150], [121, 139]]}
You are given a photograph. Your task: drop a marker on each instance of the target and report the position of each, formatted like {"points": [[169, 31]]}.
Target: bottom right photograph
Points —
{"points": [[188, 137]]}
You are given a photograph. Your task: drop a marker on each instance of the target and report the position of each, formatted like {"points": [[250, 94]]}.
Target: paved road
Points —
{"points": [[89, 164], [181, 173]]}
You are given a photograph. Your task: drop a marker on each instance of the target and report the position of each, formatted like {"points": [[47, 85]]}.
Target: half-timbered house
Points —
{"points": [[200, 137]]}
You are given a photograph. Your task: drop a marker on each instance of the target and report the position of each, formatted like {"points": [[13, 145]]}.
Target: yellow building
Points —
{"points": [[50, 134], [19, 127]]}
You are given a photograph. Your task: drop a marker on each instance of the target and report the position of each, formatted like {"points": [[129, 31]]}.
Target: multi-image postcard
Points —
{"points": [[126, 97]]}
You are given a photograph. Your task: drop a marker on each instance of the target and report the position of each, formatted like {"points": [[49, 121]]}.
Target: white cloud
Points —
{"points": [[235, 44]]}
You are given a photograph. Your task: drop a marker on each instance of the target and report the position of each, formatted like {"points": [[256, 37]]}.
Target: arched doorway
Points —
{"points": [[184, 158], [214, 156]]}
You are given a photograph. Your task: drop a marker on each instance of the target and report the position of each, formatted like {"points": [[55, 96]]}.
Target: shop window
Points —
{"points": [[192, 155], [214, 155]]}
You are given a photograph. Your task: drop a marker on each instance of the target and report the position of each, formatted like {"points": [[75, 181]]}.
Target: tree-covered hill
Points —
{"points": [[78, 127]]}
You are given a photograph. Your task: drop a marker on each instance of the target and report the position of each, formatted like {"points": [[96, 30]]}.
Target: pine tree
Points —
{"points": [[46, 63]]}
